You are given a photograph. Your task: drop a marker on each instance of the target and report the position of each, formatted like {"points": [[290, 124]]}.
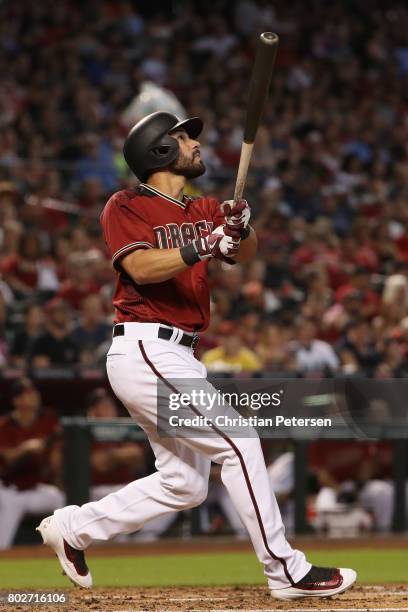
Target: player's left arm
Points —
{"points": [[247, 248]]}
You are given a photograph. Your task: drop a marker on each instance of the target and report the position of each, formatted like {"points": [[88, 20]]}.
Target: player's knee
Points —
{"points": [[199, 493], [196, 490], [188, 491]]}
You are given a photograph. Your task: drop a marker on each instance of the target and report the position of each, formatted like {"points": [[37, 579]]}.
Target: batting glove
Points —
{"points": [[223, 243], [236, 216]]}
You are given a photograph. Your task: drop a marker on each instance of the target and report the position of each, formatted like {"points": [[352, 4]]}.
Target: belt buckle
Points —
{"points": [[195, 341]]}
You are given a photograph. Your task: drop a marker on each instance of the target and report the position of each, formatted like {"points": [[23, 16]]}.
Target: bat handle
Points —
{"points": [[239, 190], [246, 153]]}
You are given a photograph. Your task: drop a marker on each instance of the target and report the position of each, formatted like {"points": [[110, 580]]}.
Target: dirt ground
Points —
{"points": [[189, 599]]}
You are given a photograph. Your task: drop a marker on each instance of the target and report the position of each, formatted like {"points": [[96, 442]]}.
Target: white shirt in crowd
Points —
{"points": [[317, 356]]}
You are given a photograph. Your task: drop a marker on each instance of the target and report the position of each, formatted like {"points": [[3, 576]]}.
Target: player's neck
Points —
{"points": [[168, 183]]}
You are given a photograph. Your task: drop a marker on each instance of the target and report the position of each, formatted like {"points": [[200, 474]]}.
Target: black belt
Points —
{"points": [[164, 333]]}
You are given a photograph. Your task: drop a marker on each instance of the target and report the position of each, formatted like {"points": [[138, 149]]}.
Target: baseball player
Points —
{"points": [[161, 244]]}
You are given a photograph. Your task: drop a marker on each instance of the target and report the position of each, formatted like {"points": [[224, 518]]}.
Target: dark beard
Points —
{"points": [[187, 168]]}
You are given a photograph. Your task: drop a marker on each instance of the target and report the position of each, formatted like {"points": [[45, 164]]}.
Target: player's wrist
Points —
{"points": [[195, 251]]}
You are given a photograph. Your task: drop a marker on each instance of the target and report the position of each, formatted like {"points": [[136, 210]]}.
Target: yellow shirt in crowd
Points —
{"points": [[244, 360]]}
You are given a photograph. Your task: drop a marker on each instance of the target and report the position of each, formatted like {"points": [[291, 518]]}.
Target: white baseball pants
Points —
{"points": [[135, 361]]}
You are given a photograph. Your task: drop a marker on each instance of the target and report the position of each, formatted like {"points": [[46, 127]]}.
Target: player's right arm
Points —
{"points": [[147, 266], [131, 240], [153, 265]]}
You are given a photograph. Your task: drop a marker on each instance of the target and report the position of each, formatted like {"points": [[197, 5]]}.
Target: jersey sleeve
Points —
{"points": [[125, 230]]}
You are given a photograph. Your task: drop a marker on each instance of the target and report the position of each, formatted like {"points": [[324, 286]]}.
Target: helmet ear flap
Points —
{"points": [[164, 151], [161, 150]]}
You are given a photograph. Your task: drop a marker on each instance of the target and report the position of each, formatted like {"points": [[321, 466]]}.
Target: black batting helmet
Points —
{"points": [[149, 147]]}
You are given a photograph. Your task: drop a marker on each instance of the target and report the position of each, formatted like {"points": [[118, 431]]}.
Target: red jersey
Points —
{"points": [[144, 218], [23, 269], [31, 468], [341, 458], [74, 295], [116, 474]]}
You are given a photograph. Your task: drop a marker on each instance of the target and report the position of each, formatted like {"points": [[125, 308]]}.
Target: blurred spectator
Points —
{"points": [[360, 282], [8, 200], [97, 163], [348, 470], [231, 356], [113, 464], [21, 347], [3, 340], [341, 314], [93, 334], [27, 435], [218, 41], [273, 348], [318, 295], [80, 281], [394, 362], [395, 298], [313, 355], [28, 271], [11, 231], [55, 346], [357, 349], [154, 66], [20, 269]]}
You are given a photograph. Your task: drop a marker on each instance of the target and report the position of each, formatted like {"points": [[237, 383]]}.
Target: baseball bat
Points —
{"points": [[258, 91]]}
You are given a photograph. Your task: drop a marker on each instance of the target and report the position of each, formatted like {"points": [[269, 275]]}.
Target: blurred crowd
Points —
{"points": [[328, 186], [31, 456], [328, 292]]}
